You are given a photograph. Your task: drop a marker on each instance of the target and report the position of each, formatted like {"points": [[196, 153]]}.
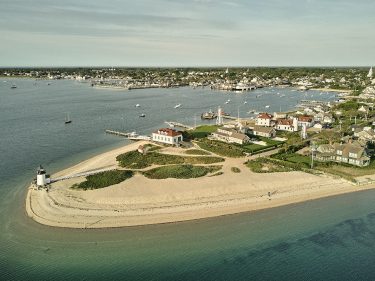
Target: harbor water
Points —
{"points": [[327, 239]]}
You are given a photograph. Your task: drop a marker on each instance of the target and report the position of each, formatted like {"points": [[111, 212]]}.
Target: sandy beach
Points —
{"points": [[142, 201]]}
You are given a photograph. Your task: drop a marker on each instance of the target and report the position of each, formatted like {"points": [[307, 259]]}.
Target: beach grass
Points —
{"points": [[103, 179], [197, 152], [136, 160], [221, 148], [180, 171], [265, 165]]}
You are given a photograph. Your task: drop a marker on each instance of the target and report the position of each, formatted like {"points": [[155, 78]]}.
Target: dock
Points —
{"points": [[130, 136]]}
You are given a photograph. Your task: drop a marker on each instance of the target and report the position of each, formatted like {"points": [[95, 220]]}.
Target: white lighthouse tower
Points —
{"points": [[219, 120], [41, 179]]}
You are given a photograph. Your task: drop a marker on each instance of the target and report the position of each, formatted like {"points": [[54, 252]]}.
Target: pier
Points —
{"points": [[130, 136]]}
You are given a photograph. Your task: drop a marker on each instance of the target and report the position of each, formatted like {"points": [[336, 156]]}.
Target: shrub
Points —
{"points": [[235, 170], [103, 179]]}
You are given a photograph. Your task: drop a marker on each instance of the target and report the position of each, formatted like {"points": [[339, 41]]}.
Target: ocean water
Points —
{"points": [[327, 239]]}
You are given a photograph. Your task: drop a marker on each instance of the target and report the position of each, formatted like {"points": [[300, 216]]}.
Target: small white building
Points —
{"points": [[264, 119], [167, 136]]}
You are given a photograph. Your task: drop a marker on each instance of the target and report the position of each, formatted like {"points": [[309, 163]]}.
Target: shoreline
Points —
{"points": [[332, 90], [141, 201]]}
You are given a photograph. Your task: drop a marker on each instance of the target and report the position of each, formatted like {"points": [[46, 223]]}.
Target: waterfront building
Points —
{"points": [[167, 136], [349, 153]]}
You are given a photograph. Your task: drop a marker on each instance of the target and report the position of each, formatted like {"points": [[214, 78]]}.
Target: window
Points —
{"points": [[339, 152], [352, 155]]}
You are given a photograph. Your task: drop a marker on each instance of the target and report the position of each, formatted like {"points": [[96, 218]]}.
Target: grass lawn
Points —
{"points": [[202, 131], [103, 179], [136, 160], [180, 171], [252, 147], [221, 148]]}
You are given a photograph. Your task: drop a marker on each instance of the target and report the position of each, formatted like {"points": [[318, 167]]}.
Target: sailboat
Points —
{"points": [[67, 119], [369, 75]]}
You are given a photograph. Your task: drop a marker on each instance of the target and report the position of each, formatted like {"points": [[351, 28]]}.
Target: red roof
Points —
{"points": [[285, 122], [305, 118], [264, 115], [168, 132]]}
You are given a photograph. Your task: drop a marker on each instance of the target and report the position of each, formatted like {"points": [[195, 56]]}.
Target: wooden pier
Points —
{"points": [[131, 136]]}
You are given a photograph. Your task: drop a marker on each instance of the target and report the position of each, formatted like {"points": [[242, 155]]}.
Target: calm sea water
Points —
{"points": [[328, 239]]}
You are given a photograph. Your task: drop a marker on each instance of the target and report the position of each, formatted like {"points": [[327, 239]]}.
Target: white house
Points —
{"points": [[289, 125], [168, 136], [264, 119], [230, 136], [305, 120]]}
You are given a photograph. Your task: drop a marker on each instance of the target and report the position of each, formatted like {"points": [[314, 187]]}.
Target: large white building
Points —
{"points": [[167, 136], [264, 119]]}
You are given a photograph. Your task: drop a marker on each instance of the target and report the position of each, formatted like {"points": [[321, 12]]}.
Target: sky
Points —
{"points": [[187, 33]]}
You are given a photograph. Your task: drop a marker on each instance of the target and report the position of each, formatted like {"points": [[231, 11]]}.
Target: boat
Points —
{"points": [[208, 115], [245, 102], [142, 115], [137, 105], [177, 105], [67, 119], [267, 106], [228, 101], [13, 87]]}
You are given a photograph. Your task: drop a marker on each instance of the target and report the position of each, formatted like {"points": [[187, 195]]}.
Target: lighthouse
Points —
{"points": [[41, 179]]}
